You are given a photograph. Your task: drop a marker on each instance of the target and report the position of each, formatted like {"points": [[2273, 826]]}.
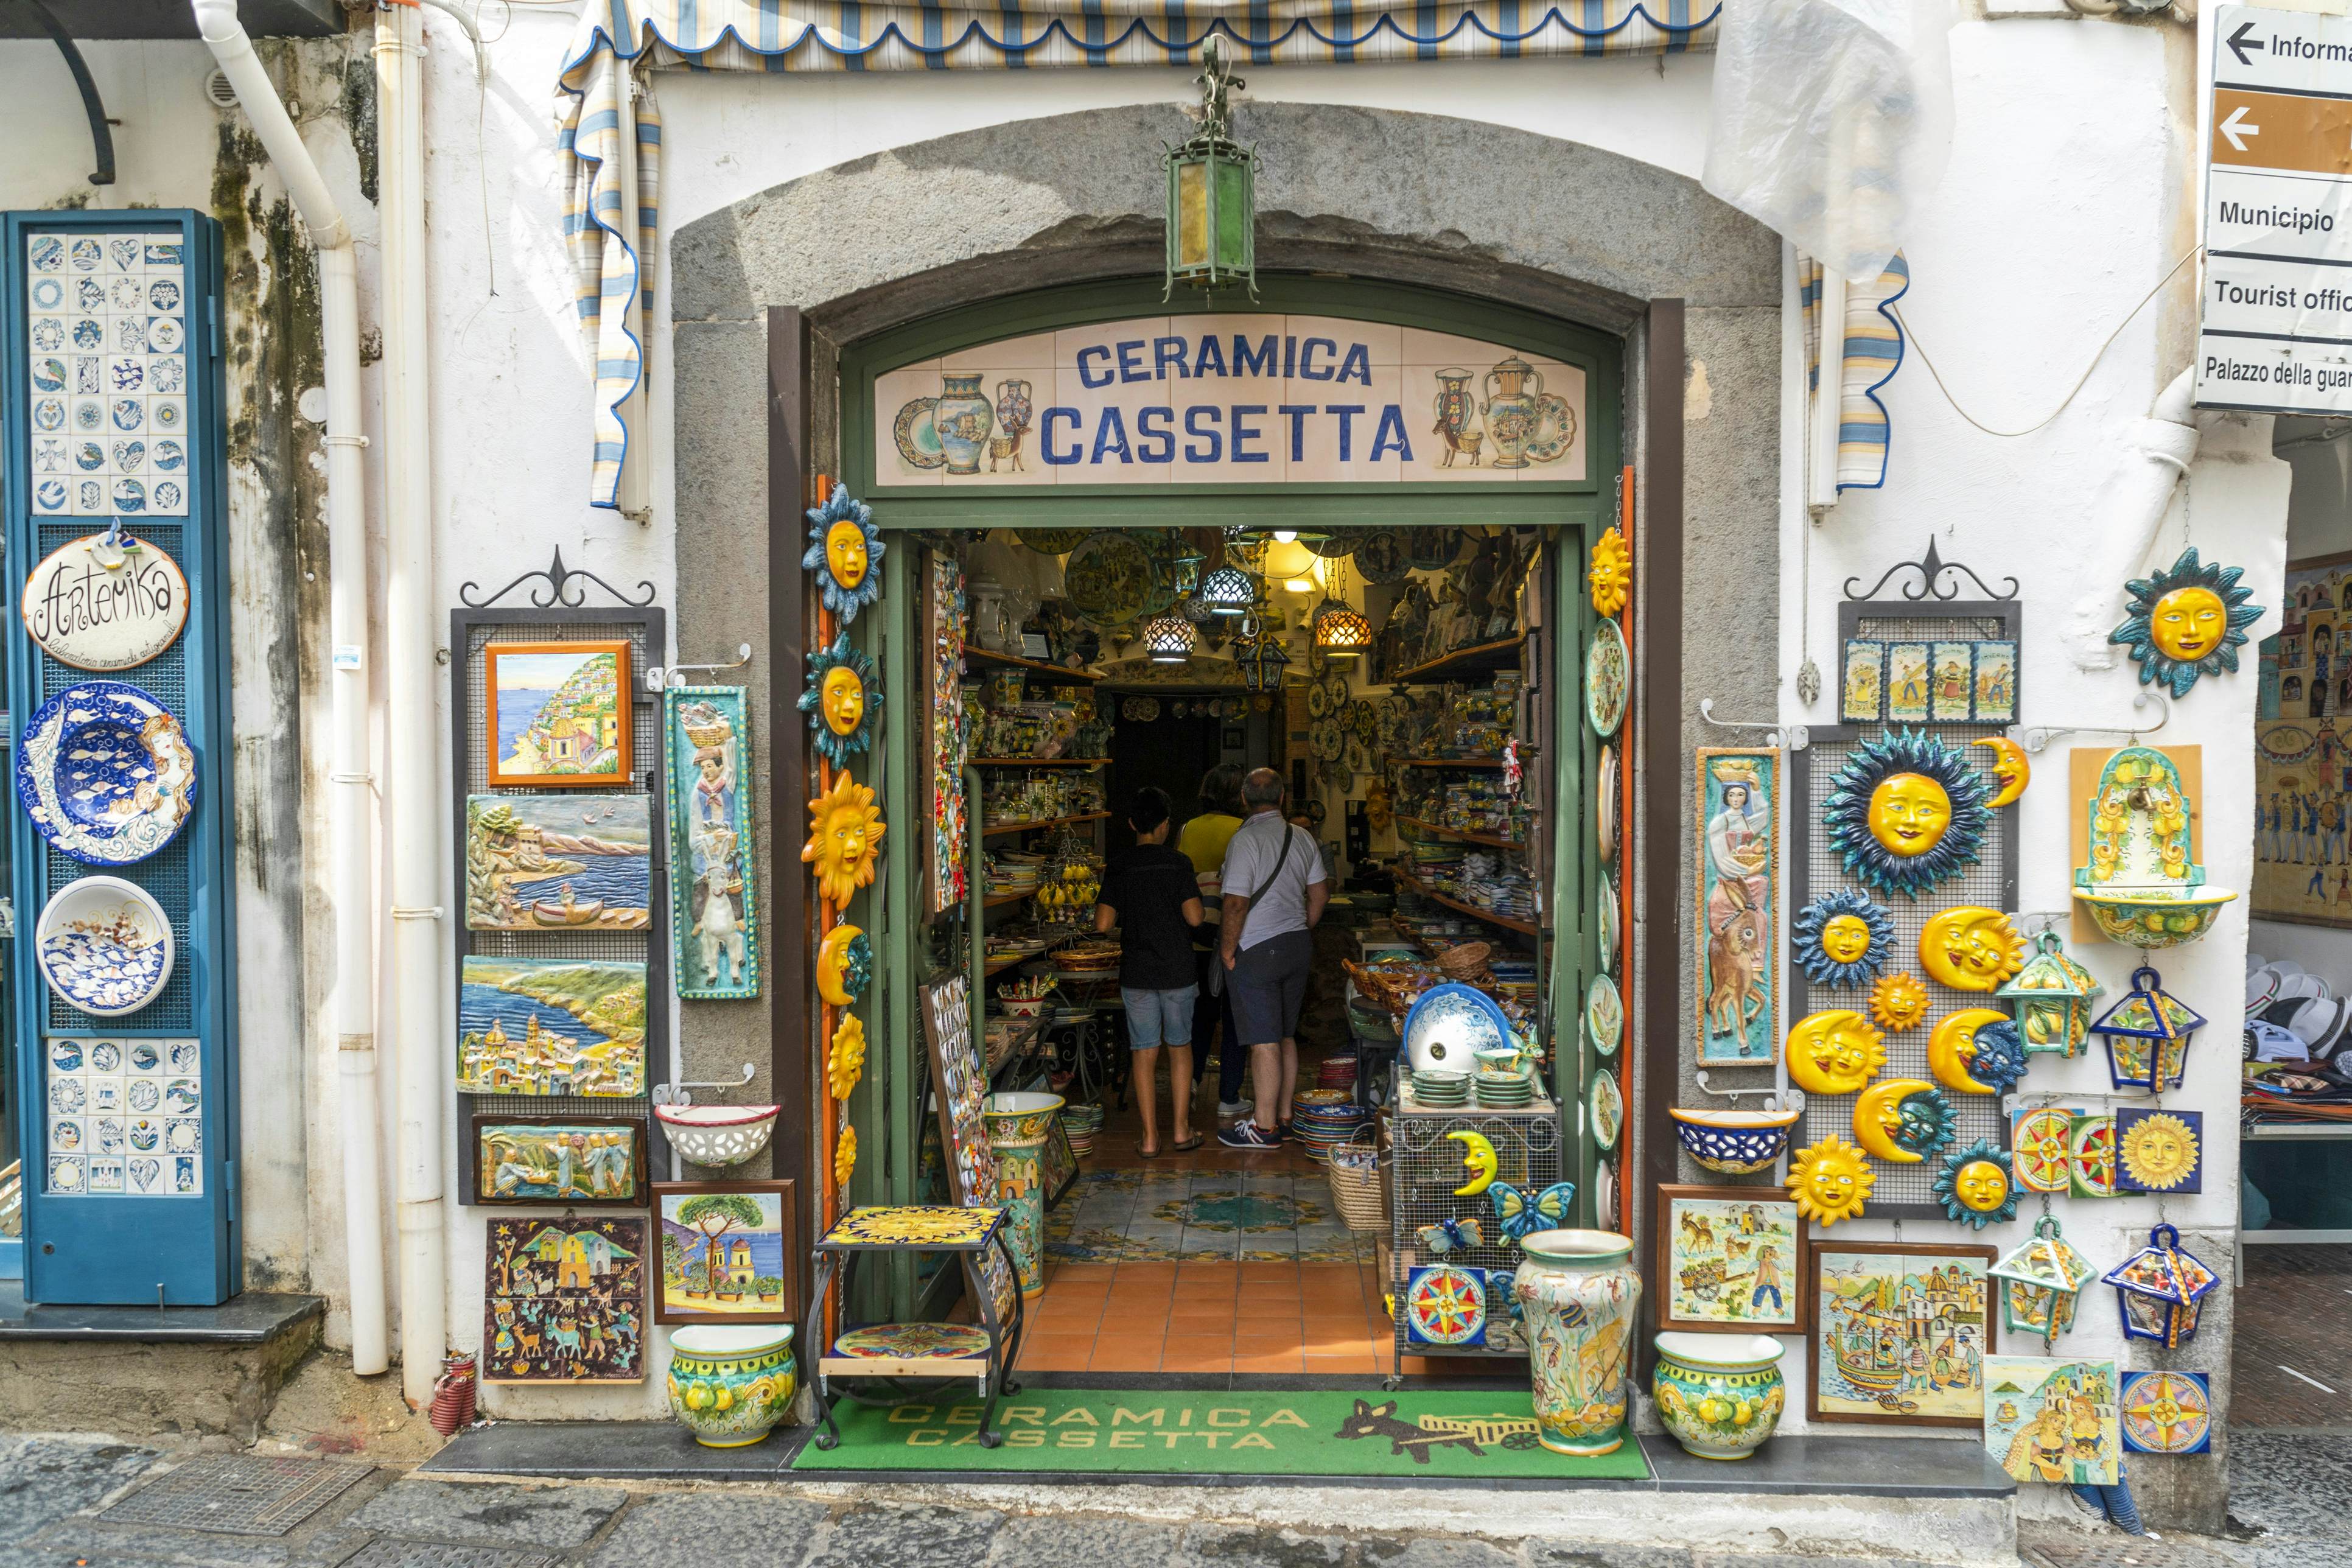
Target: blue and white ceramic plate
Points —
{"points": [[1449, 1026], [104, 945], [106, 774]]}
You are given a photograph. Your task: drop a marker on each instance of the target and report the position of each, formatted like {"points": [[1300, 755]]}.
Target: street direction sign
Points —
{"points": [[2276, 315]]}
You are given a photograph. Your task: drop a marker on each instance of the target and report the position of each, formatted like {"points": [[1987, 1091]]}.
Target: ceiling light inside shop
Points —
{"points": [[1170, 638], [1285, 536], [1230, 591]]}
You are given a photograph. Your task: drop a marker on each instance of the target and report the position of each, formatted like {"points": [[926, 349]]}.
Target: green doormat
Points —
{"points": [[1317, 1434]]}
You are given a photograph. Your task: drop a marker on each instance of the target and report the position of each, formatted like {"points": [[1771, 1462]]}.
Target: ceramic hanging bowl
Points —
{"points": [[104, 945], [1449, 1026], [1608, 678], [718, 1134], [106, 774]]}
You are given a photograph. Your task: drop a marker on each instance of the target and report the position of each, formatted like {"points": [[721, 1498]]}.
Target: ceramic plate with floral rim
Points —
{"points": [[1607, 675], [1604, 1015], [1605, 924], [1604, 808], [104, 945], [106, 774], [1607, 1109]]}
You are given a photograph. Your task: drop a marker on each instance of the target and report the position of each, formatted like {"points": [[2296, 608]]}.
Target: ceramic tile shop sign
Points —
{"points": [[101, 603], [1241, 399]]}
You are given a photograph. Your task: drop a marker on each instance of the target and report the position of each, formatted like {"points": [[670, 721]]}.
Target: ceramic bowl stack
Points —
{"points": [[1325, 1119], [1335, 1072], [1439, 1088], [1082, 1123], [1506, 1092]]}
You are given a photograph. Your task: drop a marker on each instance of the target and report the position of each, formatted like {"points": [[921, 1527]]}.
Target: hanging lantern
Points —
{"points": [[1229, 591], [2053, 997], [1213, 190], [2147, 1035], [2041, 1283], [1261, 655], [1170, 638], [1340, 629], [2161, 1290]]}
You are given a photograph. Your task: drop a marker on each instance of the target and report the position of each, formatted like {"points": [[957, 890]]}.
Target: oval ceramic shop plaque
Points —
{"points": [[87, 613]]}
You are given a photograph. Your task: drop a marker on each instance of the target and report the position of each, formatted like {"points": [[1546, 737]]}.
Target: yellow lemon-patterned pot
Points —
{"points": [[1720, 1395], [730, 1385]]}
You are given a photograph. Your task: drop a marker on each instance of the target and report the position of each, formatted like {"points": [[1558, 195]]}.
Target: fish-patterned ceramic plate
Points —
{"points": [[104, 945], [106, 774]]}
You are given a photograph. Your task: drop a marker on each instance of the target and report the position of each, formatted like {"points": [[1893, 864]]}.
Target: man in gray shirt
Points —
{"points": [[1275, 891]]}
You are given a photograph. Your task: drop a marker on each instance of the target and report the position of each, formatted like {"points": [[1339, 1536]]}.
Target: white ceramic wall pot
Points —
{"points": [[716, 1134], [104, 946]]}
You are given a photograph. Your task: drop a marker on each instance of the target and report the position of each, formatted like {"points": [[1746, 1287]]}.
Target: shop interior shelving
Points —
{"points": [[1004, 827], [1490, 841], [974, 654], [1508, 922], [1480, 658], [1040, 762]]}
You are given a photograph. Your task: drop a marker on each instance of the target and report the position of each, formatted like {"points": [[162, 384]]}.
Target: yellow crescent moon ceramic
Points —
{"points": [[1834, 1052], [1953, 1046], [2009, 768], [1876, 1118], [1478, 1159], [1970, 948], [833, 964], [1830, 1181]]}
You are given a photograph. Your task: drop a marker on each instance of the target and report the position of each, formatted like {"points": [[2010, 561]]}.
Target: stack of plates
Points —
{"points": [[1506, 1092], [1440, 1089], [1325, 1119], [1082, 1123], [1337, 1072]]}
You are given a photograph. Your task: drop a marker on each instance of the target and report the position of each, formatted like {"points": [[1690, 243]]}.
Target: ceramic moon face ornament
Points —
{"points": [[2185, 622], [1906, 812], [1834, 1052], [1971, 948], [2010, 771]]}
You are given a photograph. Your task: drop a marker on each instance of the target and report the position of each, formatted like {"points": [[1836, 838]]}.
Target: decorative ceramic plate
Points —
{"points": [[1604, 1015], [1607, 673], [919, 440], [104, 945], [1052, 540], [1335, 689], [1382, 557], [1450, 1025], [1433, 549], [1359, 757], [1334, 775], [1146, 709], [1445, 1305], [105, 773], [1605, 923], [1325, 739], [1604, 1195], [1317, 704], [1604, 809], [1364, 720], [1109, 577], [1607, 1108]]}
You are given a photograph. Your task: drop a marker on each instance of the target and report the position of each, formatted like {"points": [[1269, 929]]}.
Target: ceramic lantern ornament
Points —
{"points": [[2051, 995], [2140, 888], [2160, 1290], [1906, 812], [2041, 1283], [846, 553], [1969, 947], [1834, 1052], [1976, 1186], [1830, 1181], [2147, 1035], [1902, 1120], [844, 840], [2010, 771], [2185, 622], [1842, 939], [843, 701]]}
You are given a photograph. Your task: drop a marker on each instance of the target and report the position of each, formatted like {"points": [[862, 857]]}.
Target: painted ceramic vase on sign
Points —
{"points": [[1719, 1395], [105, 773], [104, 945], [729, 1385], [100, 605], [1578, 1292]]}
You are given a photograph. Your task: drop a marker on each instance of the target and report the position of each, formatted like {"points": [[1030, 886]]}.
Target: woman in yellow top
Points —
{"points": [[1203, 842]]}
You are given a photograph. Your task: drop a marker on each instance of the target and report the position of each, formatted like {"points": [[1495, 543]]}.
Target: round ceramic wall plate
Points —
{"points": [[1606, 1111], [1608, 675], [1335, 692], [1317, 703], [105, 773], [100, 607], [1605, 923], [104, 945], [1449, 1026], [1109, 577], [1604, 1015], [1604, 808], [1604, 1195]]}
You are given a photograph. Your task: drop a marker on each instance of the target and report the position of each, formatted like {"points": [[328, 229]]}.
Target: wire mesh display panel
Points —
{"points": [[1900, 1192], [650, 944], [1425, 1166]]}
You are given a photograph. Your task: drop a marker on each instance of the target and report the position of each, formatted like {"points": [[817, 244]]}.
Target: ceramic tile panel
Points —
{"points": [[125, 1116], [108, 333], [1070, 341], [905, 449], [1336, 441]]}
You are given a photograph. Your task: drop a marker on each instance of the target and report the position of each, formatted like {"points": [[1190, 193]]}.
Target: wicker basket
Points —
{"points": [[1466, 961], [1361, 1193]]}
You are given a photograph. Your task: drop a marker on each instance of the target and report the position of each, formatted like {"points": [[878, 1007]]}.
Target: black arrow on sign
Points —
{"points": [[2239, 43]]}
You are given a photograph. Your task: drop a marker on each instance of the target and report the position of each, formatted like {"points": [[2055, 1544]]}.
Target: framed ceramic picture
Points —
{"points": [[556, 714], [2053, 1419], [563, 1299], [1865, 684], [2167, 1413], [1902, 1332], [1739, 891], [1952, 688], [1728, 1260], [551, 1025], [726, 1252], [1907, 683], [559, 1160], [557, 862], [2159, 1151], [1996, 698], [714, 896]]}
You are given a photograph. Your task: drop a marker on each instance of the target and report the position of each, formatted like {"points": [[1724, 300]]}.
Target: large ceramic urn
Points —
{"points": [[1578, 1293], [730, 1385], [961, 418], [1720, 1395], [1018, 1126]]}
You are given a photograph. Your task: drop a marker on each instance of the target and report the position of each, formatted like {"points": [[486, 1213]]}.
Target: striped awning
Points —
{"points": [[612, 131], [1843, 382]]}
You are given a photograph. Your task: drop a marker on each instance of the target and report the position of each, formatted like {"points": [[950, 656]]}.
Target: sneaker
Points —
{"points": [[1247, 1135], [1230, 1108]]}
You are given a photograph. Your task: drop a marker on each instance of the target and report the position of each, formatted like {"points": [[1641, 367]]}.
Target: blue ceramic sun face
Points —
{"points": [[1843, 939], [846, 553], [2187, 622], [1907, 811], [1976, 1186], [1449, 1024], [844, 695]]}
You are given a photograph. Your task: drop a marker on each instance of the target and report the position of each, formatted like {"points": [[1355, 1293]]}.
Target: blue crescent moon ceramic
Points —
{"points": [[106, 774], [1449, 1024]]}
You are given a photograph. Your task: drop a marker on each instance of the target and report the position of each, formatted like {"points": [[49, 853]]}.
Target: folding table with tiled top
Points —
{"points": [[984, 1351]]}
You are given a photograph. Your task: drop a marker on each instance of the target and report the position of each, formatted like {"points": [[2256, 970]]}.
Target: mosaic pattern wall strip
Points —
{"points": [[107, 335]]}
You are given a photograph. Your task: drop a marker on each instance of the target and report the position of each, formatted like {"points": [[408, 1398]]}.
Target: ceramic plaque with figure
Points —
{"points": [[714, 904], [567, 1162], [1738, 906], [564, 1301], [551, 1025], [1728, 1260], [2052, 1419], [556, 714], [553, 862], [1901, 1331]]}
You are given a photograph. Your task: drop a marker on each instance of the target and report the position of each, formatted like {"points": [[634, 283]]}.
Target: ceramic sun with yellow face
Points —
{"points": [[1975, 1185], [1971, 948], [845, 1063], [1842, 939], [843, 699], [2187, 622], [1898, 1002], [1907, 811], [845, 839], [1834, 1052], [1830, 1181], [846, 553], [1612, 574]]}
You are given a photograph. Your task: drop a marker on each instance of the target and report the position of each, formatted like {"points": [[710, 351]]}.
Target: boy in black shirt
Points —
{"points": [[1152, 896]]}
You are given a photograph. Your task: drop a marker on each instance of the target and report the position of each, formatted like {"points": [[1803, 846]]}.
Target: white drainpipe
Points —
{"points": [[350, 885], [2157, 453], [411, 676]]}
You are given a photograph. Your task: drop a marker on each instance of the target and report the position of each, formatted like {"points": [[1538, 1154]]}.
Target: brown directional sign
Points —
{"points": [[2281, 131]]}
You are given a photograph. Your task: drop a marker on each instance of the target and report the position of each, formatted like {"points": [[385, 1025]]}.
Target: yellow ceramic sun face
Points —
{"points": [[847, 1063], [844, 834], [1830, 1181], [1897, 1002], [1972, 947], [1908, 813], [2188, 622], [1834, 1052], [1846, 938], [844, 699], [1612, 574], [844, 552], [845, 1158], [1981, 1187]]}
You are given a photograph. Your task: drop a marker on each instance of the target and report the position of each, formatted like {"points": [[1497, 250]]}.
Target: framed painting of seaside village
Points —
{"points": [[1901, 1331], [725, 1252], [556, 714], [554, 862], [551, 1026]]}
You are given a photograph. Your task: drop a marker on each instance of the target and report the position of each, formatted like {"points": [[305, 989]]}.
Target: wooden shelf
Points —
{"points": [[1452, 762], [999, 965], [1526, 927], [1481, 659], [976, 655], [1002, 899], [1039, 762], [1468, 836], [1043, 822]]}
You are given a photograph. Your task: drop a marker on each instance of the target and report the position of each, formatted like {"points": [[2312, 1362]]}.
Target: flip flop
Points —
{"points": [[1150, 1153], [1186, 1148]]}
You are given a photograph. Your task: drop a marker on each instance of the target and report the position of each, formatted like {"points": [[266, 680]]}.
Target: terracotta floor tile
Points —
{"points": [[1330, 1365], [1075, 1320], [1270, 1361], [1149, 1270], [1269, 1304], [1334, 1341], [1131, 1357], [1072, 1273], [1056, 1353], [1330, 1275], [1202, 1353], [1198, 1319], [1273, 1272], [1189, 1288]]}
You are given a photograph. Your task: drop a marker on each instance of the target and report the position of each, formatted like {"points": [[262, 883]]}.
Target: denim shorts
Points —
{"points": [[1157, 1018]]}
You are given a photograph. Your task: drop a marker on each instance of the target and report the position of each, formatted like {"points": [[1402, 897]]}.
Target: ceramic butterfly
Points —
{"points": [[1522, 1215], [1451, 1234]]}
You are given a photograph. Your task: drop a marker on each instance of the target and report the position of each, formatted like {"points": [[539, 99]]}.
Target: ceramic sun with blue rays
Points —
{"points": [[1842, 939], [1976, 1186], [846, 553], [1907, 811], [2187, 622], [843, 696]]}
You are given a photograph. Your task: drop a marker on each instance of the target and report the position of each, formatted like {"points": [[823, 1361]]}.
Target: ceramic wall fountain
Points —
{"points": [[2140, 888]]}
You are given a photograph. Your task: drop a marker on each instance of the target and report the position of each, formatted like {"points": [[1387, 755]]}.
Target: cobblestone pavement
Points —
{"points": [[83, 1504]]}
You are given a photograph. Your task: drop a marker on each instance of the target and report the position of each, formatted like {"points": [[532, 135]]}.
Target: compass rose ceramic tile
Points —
{"points": [[106, 774], [107, 339]]}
